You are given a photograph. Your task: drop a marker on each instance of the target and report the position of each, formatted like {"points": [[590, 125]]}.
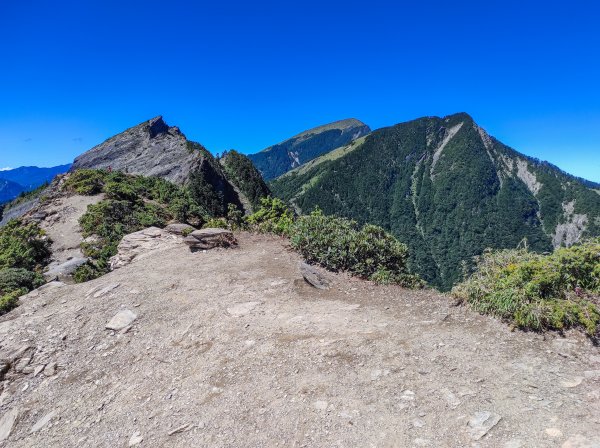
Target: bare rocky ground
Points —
{"points": [[232, 348]]}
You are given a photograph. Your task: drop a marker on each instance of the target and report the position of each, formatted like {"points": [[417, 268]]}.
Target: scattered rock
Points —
{"points": [[105, 290], [418, 423], [50, 369], [579, 441], [64, 271], [121, 320], [451, 399], [572, 382], [407, 395], [592, 374], [314, 276], [481, 423], [38, 216], [179, 229], [320, 405], [43, 421], [181, 428], [21, 364], [39, 369], [553, 432], [7, 422], [135, 439], [242, 309], [205, 239]]}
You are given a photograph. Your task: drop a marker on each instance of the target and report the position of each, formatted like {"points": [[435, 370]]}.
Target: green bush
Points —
{"points": [[339, 244], [86, 182], [216, 223], [10, 301], [538, 292], [273, 216], [13, 279], [23, 246], [132, 203]]}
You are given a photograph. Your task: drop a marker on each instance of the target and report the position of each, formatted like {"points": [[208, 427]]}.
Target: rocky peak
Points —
{"points": [[152, 148]]}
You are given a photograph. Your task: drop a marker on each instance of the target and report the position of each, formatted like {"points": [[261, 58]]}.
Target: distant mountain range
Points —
{"points": [[293, 152], [26, 178], [448, 190]]}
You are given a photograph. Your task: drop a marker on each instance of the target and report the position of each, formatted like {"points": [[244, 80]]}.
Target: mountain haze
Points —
{"points": [[31, 177], [9, 190], [279, 159], [448, 190]]}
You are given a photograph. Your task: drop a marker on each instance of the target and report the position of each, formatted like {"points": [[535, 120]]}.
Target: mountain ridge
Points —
{"points": [[306, 145], [448, 189]]}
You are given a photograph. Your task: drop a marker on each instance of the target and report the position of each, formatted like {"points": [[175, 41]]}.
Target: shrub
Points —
{"points": [[216, 223], [87, 182], [23, 246], [10, 301], [132, 203], [340, 244], [272, 216], [13, 279], [538, 292]]}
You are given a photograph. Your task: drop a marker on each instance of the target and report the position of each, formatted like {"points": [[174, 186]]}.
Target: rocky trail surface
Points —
{"points": [[232, 348]]}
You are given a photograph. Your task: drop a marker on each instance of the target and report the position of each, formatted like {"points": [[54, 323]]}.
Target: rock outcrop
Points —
{"points": [[152, 148], [205, 239]]}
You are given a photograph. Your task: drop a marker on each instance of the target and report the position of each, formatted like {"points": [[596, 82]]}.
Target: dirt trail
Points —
{"points": [[231, 348], [62, 225]]}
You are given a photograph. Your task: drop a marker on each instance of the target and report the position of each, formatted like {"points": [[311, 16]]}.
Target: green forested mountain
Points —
{"points": [[243, 174], [448, 190], [279, 159]]}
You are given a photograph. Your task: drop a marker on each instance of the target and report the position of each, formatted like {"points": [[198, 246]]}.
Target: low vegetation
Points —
{"points": [[24, 251], [538, 292], [338, 244], [132, 203], [273, 216]]}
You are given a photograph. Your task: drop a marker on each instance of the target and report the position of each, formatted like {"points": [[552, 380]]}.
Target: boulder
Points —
{"points": [[64, 271], [137, 244], [179, 229], [7, 422], [210, 238], [314, 276], [121, 320]]}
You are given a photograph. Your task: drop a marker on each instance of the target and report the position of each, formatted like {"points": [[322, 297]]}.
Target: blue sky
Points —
{"points": [[245, 75]]}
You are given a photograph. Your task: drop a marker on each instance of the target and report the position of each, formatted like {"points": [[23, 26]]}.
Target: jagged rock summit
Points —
{"points": [[152, 148]]}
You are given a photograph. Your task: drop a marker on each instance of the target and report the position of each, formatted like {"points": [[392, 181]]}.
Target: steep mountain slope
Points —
{"points": [[32, 177], [242, 173], [154, 148], [9, 190], [278, 159], [448, 190]]}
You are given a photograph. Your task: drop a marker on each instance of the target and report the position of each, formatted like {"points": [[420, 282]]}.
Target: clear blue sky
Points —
{"points": [[246, 75]]}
